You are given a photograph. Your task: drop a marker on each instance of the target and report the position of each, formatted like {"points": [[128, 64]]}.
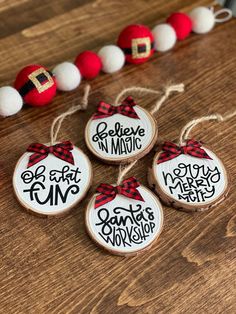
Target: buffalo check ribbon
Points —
{"points": [[108, 192], [171, 151], [126, 108], [41, 151]]}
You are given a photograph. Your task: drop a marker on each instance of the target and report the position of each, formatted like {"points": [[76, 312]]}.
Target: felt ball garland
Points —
{"points": [[36, 86]]}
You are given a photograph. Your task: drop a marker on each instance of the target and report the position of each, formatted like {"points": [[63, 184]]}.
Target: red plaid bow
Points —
{"points": [[41, 151], [105, 110], [171, 150], [108, 192]]}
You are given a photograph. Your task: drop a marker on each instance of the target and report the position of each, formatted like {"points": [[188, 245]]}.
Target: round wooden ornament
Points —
{"points": [[51, 179], [189, 176], [124, 219], [124, 132], [52, 186]]}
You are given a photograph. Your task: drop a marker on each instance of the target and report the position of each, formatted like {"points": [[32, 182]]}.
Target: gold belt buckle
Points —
{"points": [[39, 86], [138, 42]]}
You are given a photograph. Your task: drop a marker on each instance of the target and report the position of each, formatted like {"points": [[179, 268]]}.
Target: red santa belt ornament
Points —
{"points": [[36, 85], [137, 42]]}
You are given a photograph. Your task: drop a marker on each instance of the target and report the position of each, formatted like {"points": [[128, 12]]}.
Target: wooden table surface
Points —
{"points": [[51, 265]]}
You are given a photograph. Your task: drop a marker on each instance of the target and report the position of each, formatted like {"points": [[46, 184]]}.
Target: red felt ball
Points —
{"points": [[89, 64], [137, 42], [181, 23], [36, 85]]}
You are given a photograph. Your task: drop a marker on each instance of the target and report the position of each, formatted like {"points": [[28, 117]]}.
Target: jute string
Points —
{"points": [[142, 90], [56, 125], [184, 134], [167, 91], [123, 170], [57, 122]]}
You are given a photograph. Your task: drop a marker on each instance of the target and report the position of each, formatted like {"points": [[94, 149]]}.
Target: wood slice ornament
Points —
{"points": [[124, 132], [51, 179], [53, 185], [189, 176], [124, 219]]}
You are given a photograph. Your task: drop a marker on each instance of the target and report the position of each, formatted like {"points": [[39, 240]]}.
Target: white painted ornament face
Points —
{"points": [[190, 180], [52, 186], [125, 226], [119, 138]]}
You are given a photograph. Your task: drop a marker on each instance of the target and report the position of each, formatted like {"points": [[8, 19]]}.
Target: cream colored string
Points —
{"points": [[184, 134], [142, 90], [227, 14], [123, 171], [56, 125]]}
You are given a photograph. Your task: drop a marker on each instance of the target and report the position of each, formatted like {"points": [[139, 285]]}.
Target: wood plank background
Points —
{"points": [[50, 265]]}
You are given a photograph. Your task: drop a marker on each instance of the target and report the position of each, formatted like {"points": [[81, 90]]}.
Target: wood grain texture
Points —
{"points": [[51, 265]]}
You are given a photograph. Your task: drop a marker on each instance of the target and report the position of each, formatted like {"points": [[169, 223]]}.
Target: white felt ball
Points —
{"points": [[203, 20], [10, 101], [112, 58], [67, 76], [164, 37]]}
